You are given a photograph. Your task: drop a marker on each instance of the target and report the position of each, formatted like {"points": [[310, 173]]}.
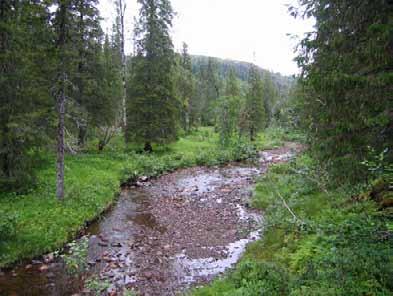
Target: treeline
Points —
{"points": [[242, 69], [64, 83], [213, 74]]}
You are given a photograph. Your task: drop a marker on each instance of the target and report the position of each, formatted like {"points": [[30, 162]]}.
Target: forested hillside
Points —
{"points": [[282, 82], [156, 172]]}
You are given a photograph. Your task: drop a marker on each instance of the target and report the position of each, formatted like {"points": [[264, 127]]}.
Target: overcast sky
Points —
{"points": [[232, 29]]}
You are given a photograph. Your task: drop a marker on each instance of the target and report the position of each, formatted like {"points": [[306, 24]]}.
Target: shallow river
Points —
{"points": [[163, 236]]}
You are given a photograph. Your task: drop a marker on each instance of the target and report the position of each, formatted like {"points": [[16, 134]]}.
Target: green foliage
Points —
{"points": [[228, 111], [227, 119], [24, 97], [379, 166], [98, 286], [270, 96], [185, 85], [253, 117], [347, 82], [152, 104], [334, 246], [8, 226], [76, 257]]}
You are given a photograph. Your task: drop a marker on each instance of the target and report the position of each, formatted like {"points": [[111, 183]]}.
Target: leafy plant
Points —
{"points": [[76, 257], [97, 286], [379, 165], [8, 225]]}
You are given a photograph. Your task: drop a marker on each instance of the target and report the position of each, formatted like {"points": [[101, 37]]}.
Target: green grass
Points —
{"points": [[334, 246], [35, 223]]}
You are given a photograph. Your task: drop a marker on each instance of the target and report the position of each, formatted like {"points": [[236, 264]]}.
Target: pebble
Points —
{"points": [[43, 268], [148, 275], [49, 258]]}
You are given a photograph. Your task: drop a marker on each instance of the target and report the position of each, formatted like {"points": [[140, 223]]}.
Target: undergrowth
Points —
{"points": [[318, 240]]}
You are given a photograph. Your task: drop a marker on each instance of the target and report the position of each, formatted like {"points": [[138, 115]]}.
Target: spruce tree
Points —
{"points": [[66, 55], [347, 76], [185, 87], [270, 95], [253, 118], [227, 111], [152, 104], [25, 105], [211, 84], [86, 34], [109, 101]]}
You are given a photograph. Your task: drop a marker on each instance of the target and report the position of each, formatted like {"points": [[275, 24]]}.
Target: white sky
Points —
{"points": [[230, 29]]}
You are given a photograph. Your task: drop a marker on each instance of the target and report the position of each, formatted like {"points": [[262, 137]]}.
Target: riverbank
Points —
{"points": [[318, 240], [36, 223]]}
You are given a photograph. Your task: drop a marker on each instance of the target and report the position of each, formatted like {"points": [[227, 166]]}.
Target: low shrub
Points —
{"points": [[8, 225]]}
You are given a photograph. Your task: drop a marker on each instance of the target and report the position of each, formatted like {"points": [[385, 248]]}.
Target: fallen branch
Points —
{"points": [[288, 208]]}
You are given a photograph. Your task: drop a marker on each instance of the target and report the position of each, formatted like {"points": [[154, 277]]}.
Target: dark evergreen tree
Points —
{"points": [[211, 85], [185, 88], [24, 93], [228, 110], [253, 117], [86, 33], [107, 116], [186, 58], [270, 95], [66, 62], [347, 75], [152, 104]]}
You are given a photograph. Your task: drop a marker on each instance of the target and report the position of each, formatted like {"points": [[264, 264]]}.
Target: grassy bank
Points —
{"points": [[332, 243], [35, 223]]}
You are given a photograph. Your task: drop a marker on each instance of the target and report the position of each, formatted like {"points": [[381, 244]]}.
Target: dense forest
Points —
{"points": [[81, 118]]}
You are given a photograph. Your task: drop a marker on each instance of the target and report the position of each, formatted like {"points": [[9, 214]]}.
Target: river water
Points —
{"points": [[166, 235]]}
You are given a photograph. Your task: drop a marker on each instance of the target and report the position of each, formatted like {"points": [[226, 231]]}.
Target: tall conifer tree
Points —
{"points": [[151, 100], [347, 74], [254, 115], [228, 110], [24, 93], [65, 66]]}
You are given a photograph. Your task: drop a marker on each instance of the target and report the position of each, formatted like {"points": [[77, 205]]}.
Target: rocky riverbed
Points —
{"points": [[164, 235]]}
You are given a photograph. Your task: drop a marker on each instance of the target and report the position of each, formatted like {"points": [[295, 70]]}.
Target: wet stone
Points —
{"points": [[181, 231]]}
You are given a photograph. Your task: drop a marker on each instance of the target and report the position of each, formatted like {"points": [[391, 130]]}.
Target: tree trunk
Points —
{"points": [[6, 167], [60, 143], [101, 145], [122, 8], [252, 135], [82, 135], [61, 98], [148, 148]]}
